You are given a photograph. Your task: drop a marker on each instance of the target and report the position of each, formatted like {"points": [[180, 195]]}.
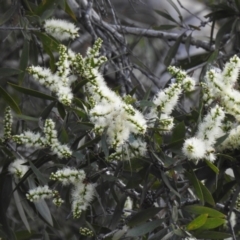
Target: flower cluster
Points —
{"points": [[7, 123], [60, 29], [219, 86], [31, 139], [82, 192], [44, 192], [60, 81], [86, 232], [18, 168], [201, 146], [68, 176], [166, 100], [108, 112]]}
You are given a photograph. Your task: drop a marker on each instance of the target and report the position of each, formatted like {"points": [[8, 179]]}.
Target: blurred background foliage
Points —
{"points": [[172, 197]]}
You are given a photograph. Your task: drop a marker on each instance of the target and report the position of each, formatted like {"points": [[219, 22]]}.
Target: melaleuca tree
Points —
{"points": [[87, 152]]}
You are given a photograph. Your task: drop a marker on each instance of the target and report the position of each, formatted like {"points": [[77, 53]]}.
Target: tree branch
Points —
{"points": [[163, 35]]}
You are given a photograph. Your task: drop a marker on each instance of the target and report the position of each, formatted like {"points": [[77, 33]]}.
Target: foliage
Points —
{"points": [[117, 160]]}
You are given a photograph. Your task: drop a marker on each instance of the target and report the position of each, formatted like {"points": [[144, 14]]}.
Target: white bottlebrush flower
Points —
{"points": [[128, 206], [194, 148], [68, 176], [30, 139], [7, 123], [17, 168], [177, 73], [231, 70], [39, 193], [166, 100], [81, 196], [61, 29], [188, 84], [210, 129], [233, 140]]}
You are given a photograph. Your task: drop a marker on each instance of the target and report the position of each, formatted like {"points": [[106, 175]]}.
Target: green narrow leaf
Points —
{"points": [[178, 132], [37, 173], [105, 145], [237, 2], [165, 27], [145, 228], [45, 113], [212, 166], [23, 60], [61, 110], [19, 206], [41, 206], [9, 100], [69, 11], [166, 15], [173, 51], [213, 223], [47, 40], [197, 222], [143, 216], [213, 235], [213, 56], [117, 213], [196, 185], [8, 14], [31, 92], [166, 181], [187, 45], [7, 72], [207, 195], [51, 57], [196, 209], [176, 9], [95, 140], [225, 28]]}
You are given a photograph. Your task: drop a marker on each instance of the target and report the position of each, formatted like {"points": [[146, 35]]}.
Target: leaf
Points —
{"points": [[197, 222], [47, 40], [44, 6], [145, 103], [207, 194], [212, 166], [173, 51], [213, 223], [165, 27], [45, 113], [159, 235], [178, 132], [69, 11], [104, 145], [95, 140], [9, 100], [31, 92], [166, 15], [117, 213], [225, 28], [19, 206], [196, 209], [41, 206], [8, 14], [187, 45], [166, 181], [237, 2], [213, 235], [7, 72], [23, 60], [143, 216], [61, 110], [213, 56], [141, 230], [196, 185], [37, 173]]}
